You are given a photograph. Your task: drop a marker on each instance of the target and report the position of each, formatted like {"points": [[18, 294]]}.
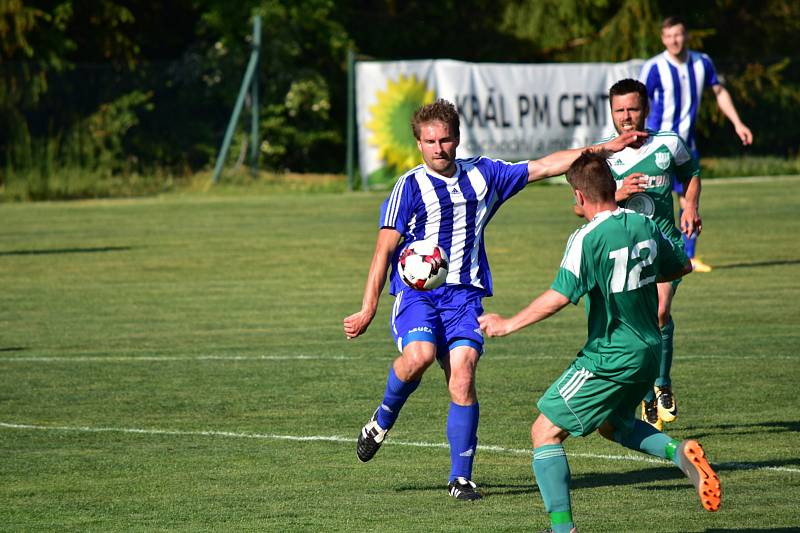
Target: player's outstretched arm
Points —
{"points": [[685, 269], [725, 103], [557, 163], [547, 304], [690, 217], [357, 323]]}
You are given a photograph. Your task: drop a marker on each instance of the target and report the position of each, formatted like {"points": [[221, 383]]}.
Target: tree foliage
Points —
{"points": [[173, 69]]}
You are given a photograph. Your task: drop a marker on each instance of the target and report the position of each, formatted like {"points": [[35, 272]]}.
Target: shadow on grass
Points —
{"points": [[13, 349], [745, 529], [758, 264], [68, 250], [756, 428], [585, 481], [671, 478]]}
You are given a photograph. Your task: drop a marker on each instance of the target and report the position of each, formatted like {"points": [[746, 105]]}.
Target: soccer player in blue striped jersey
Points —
{"points": [[450, 201], [675, 81], [615, 261]]}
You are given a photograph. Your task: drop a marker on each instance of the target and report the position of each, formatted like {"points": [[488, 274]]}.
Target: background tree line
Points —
{"points": [[127, 88]]}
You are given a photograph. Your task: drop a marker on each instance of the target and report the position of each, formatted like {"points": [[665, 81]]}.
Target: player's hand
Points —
{"points": [[691, 223], [630, 186], [744, 134], [493, 325], [357, 323], [634, 139]]}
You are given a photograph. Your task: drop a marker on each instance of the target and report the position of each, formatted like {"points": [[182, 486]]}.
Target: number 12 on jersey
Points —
{"points": [[621, 274]]}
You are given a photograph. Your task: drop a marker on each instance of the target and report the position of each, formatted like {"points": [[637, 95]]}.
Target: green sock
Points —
{"points": [[553, 477], [645, 438], [667, 333]]}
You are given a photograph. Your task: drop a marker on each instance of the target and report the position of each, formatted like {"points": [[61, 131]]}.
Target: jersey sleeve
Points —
{"points": [[711, 72], [572, 279], [507, 178], [650, 78], [397, 209], [686, 165]]}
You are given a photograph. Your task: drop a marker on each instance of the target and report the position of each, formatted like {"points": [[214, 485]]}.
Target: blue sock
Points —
{"points": [[689, 243], [397, 392], [462, 434], [551, 469], [645, 438], [667, 333]]}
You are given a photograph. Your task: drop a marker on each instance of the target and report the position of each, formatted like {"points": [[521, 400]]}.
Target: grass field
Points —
{"points": [[177, 363]]}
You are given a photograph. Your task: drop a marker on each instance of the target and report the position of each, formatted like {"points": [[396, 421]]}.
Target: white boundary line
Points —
{"points": [[168, 358], [748, 179], [338, 439]]}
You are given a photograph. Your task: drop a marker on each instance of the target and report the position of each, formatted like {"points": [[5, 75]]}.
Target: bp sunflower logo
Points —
{"points": [[390, 125]]}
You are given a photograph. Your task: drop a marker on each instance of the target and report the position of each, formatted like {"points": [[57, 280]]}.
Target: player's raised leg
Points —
{"points": [[692, 460], [404, 378], [688, 455]]}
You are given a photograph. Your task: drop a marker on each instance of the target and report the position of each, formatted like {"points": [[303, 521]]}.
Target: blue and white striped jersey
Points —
{"points": [[675, 90], [454, 212]]}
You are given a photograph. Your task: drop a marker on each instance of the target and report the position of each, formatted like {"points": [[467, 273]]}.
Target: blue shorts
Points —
{"points": [[446, 317]]}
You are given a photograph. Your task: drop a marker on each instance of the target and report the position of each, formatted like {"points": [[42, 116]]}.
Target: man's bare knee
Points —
{"points": [[460, 374], [415, 359], [544, 432]]}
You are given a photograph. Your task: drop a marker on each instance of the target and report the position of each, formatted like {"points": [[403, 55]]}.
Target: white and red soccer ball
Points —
{"points": [[423, 265]]}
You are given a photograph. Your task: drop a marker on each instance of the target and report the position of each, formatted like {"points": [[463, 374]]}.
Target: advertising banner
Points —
{"points": [[507, 111]]}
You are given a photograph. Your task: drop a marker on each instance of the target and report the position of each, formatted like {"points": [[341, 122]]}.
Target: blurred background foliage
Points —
{"points": [[114, 91]]}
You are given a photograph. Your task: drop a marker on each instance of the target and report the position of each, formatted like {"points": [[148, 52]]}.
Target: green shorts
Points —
{"points": [[579, 402]]}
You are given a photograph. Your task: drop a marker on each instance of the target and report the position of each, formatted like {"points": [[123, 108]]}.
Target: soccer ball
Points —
{"points": [[423, 265]]}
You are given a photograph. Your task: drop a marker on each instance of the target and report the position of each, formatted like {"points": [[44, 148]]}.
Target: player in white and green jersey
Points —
{"points": [[644, 174], [615, 261]]}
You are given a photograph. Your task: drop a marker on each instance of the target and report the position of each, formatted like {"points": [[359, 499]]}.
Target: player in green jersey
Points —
{"points": [[645, 175], [615, 261]]}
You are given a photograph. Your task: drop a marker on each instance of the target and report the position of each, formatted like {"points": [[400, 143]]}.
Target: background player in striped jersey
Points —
{"points": [[645, 173], [450, 201], [675, 80], [614, 261]]}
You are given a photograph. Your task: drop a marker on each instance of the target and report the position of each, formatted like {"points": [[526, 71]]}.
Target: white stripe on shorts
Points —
{"points": [[574, 384]]}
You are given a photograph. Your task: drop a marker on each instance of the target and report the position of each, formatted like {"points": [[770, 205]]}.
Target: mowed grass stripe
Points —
{"points": [[222, 313], [235, 358]]}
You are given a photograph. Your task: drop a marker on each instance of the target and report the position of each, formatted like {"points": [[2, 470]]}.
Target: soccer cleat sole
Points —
{"points": [[365, 454], [368, 444], [702, 476], [667, 415]]}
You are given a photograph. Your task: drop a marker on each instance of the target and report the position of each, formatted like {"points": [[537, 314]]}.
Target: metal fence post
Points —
{"points": [[237, 108]]}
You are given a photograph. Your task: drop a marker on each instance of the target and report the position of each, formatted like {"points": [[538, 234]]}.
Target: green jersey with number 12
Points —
{"points": [[662, 158], [615, 260]]}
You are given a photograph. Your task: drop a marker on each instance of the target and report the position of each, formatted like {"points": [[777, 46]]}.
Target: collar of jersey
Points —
{"points": [[650, 136], [677, 64], [602, 215], [451, 180]]}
